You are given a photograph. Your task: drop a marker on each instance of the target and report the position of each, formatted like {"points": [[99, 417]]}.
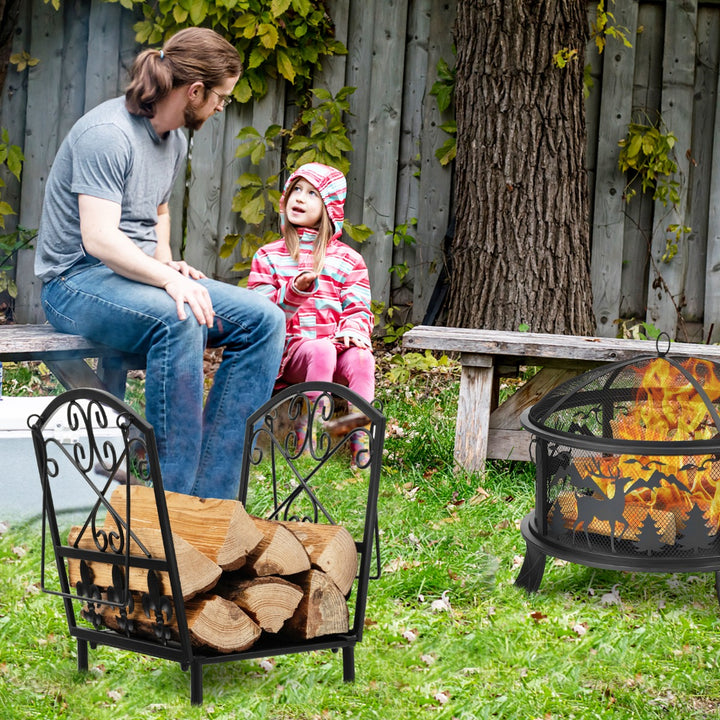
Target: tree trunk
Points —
{"points": [[521, 251]]}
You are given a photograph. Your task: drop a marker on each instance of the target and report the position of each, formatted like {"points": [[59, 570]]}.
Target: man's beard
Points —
{"points": [[192, 120]]}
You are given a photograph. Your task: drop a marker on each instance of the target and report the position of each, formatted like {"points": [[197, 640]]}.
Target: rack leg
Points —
{"points": [[196, 683], [348, 655], [82, 655]]}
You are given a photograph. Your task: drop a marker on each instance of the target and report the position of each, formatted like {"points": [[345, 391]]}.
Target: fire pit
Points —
{"points": [[628, 469]]}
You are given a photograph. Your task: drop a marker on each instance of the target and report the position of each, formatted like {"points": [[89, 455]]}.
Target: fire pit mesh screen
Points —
{"points": [[628, 468]]}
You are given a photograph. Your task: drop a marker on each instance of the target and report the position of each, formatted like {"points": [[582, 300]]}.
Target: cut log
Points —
{"points": [[197, 572], [278, 553], [322, 611], [212, 622], [220, 529], [331, 549], [269, 601]]}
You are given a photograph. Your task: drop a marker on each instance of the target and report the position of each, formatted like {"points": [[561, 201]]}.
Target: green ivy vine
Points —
{"points": [[647, 156], [275, 38]]}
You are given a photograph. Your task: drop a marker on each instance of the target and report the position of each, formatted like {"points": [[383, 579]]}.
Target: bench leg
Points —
{"points": [[473, 417]]}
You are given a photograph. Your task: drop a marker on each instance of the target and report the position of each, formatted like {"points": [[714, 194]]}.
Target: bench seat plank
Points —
{"points": [[40, 342], [65, 355], [487, 429]]}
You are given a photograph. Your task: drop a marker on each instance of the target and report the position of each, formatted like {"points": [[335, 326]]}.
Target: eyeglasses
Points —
{"points": [[224, 99]]}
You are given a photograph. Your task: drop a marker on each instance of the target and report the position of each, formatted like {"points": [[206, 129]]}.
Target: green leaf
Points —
{"points": [[5, 208], [278, 7], [268, 35], [242, 91], [180, 14], [15, 160], [302, 7], [253, 212], [198, 11], [358, 233], [285, 66]]}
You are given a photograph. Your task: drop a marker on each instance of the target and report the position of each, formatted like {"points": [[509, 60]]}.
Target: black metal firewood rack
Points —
{"points": [[293, 468]]}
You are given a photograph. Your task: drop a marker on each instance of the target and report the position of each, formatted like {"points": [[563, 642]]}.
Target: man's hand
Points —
{"points": [[184, 269], [184, 289]]}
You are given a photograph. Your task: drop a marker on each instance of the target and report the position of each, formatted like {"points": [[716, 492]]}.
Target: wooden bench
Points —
{"points": [[487, 428], [65, 356]]}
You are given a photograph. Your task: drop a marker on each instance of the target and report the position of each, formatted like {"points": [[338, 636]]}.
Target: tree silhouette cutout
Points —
{"points": [[649, 538], [697, 534]]}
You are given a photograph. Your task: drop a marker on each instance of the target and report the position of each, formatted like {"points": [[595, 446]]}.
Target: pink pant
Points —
{"points": [[322, 360]]}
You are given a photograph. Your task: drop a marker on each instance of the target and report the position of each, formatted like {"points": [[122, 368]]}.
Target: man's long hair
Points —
{"points": [[191, 55]]}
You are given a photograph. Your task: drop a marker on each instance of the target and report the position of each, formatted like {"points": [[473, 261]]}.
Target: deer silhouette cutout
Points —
{"points": [[593, 503]]}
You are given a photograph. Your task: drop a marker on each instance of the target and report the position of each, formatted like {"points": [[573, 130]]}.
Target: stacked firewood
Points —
{"points": [[240, 575]]}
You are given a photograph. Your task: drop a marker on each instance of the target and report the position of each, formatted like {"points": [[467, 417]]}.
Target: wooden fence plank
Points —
{"points": [[41, 143], [711, 329], [708, 32], [357, 75], [608, 221], [383, 143], [435, 181], [639, 211], [407, 193], [667, 279], [12, 115], [332, 77], [201, 248], [101, 81]]}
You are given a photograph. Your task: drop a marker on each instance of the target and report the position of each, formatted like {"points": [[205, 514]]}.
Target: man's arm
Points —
{"points": [[102, 238]]}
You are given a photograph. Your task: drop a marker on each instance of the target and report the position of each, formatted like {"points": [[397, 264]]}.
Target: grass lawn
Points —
{"points": [[448, 634]]}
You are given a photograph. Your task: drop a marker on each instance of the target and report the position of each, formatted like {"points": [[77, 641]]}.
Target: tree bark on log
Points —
{"points": [[220, 529], [521, 250]]}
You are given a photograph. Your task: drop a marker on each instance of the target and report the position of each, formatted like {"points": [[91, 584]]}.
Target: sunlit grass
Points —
{"points": [[448, 634]]}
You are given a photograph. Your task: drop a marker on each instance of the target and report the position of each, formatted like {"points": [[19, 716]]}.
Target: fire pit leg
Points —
{"points": [[717, 584], [532, 570]]}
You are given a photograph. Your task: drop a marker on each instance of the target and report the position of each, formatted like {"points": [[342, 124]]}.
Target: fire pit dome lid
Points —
{"points": [[651, 404]]}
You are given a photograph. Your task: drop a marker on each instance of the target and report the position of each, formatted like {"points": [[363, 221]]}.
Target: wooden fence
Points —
{"points": [[393, 50]]}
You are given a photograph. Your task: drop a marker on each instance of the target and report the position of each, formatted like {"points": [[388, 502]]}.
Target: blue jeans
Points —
{"points": [[200, 450]]}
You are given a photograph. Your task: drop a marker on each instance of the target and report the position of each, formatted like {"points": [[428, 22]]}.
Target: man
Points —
{"points": [[103, 253]]}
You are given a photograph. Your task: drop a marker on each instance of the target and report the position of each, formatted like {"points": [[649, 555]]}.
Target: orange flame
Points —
{"points": [[667, 408]]}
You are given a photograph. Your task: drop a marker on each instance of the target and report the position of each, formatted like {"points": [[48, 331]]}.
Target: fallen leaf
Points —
{"points": [[537, 616], [480, 496], [410, 635], [442, 604], [442, 697], [580, 629], [612, 597]]}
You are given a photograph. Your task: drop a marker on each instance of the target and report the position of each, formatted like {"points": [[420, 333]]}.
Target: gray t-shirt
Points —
{"points": [[112, 155]]}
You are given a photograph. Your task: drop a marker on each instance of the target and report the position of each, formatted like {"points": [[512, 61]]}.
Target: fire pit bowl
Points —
{"points": [[628, 469]]}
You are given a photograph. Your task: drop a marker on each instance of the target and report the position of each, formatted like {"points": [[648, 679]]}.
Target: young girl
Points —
{"points": [[320, 283]]}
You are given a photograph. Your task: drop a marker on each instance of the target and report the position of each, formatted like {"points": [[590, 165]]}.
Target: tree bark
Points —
{"points": [[521, 251]]}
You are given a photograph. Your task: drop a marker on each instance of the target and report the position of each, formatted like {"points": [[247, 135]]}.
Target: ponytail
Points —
{"points": [[191, 55]]}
